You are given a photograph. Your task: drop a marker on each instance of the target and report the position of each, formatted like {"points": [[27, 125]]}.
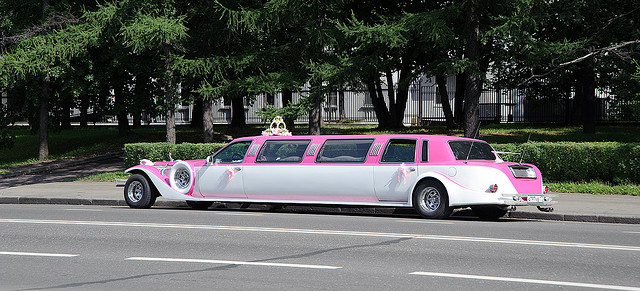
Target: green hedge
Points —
{"points": [[558, 161], [134, 152], [581, 162]]}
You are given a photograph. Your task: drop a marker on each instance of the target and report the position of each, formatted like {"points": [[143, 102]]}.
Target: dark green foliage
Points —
{"points": [[611, 162], [135, 152]]}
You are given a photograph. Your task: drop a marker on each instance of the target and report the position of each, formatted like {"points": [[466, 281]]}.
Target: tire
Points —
{"points": [[489, 212], [138, 193], [430, 200], [199, 205], [181, 177]]}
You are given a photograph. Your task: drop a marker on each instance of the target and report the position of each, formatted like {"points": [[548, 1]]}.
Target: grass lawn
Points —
{"points": [[97, 140]]}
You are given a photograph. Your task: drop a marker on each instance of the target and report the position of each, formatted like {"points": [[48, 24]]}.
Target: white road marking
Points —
{"points": [[531, 281], [37, 254], [79, 209], [225, 262], [329, 232], [634, 232]]}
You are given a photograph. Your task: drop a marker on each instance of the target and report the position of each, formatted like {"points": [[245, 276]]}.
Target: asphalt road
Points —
{"points": [[116, 248]]}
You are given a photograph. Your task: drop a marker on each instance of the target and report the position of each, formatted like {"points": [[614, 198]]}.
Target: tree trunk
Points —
{"points": [[392, 94], [170, 92], [458, 110], [397, 115], [315, 116], [120, 107], [137, 120], [84, 116], [377, 100], [586, 89], [196, 114], [170, 120], [441, 80], [473, 86], [341, 111], [207, 121], [65, 117], [43, 149], [237, 112]]}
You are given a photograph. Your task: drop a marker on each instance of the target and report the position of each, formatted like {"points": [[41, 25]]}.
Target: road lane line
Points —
{"points": [[531, 281], [328, 232], [634, 232], [226, 262], [79, 209], [37, 254]]}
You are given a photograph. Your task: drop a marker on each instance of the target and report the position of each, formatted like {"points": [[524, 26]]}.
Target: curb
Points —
{"points": [[320, 209]]}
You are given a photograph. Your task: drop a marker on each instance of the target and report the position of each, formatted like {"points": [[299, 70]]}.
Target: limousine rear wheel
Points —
{"points": [[430, 199], [138, 192]]}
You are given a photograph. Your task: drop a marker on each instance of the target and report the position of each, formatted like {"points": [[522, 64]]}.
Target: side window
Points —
{"points": [[233, 153], [282, 151], [399, 151], [425, 151], [344, 151]]}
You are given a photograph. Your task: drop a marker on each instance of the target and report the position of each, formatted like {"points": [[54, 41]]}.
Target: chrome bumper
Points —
{"points": [[527, 200]]}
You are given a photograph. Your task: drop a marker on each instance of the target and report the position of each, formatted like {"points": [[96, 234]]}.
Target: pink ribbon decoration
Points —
{"points": [[402, 173], [231, 173]]}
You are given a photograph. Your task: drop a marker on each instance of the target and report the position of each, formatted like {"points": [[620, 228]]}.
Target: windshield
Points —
{"points": [[480, 150]]}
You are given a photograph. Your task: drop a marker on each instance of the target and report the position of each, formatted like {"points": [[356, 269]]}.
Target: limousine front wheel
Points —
{"points": [[430, 200], [138, 193]]}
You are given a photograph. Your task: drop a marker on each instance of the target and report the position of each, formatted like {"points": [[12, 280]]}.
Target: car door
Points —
{"points": [[223, 177], [396, 173], [340, 173]]}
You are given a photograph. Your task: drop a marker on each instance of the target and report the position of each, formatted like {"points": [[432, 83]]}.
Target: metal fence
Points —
{"points": [[424, 104]]}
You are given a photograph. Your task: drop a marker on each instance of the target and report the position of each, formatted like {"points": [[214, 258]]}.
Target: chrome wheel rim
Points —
{"points": [[135, 191], [182, 178], [430, 199]]}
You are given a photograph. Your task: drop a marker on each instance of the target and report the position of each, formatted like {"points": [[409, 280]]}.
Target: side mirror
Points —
{"points": [[209, 160]]}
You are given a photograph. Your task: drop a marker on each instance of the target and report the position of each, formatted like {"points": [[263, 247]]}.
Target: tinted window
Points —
{"points": [[233, 153], [425, 151], [282, 151], [480, 150], [399, 151], [344, 151]]}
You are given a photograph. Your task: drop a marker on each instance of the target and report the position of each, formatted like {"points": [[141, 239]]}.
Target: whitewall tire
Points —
{"points": [[181, 177]]}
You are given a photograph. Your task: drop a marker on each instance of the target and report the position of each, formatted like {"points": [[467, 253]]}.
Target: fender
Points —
{"points": [[458, 194], [161, 182]]}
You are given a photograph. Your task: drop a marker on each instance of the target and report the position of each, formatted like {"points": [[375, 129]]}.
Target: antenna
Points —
{"points": [[524, 149], [472, 141]]}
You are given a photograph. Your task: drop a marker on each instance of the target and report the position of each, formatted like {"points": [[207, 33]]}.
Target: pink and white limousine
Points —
{"points": [[433, 174]]}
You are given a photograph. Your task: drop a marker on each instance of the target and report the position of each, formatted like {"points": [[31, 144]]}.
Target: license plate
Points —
{"points": [[535, 199]]}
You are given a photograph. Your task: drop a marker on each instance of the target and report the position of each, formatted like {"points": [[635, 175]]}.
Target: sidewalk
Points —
{"points": [[570, 207]]}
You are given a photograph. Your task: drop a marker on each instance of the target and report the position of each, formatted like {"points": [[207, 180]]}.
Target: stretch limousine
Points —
{"points": [[433, 174]]}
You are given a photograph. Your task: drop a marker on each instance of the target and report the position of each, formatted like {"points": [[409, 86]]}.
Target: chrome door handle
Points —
{"points": [[412, 169]]}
